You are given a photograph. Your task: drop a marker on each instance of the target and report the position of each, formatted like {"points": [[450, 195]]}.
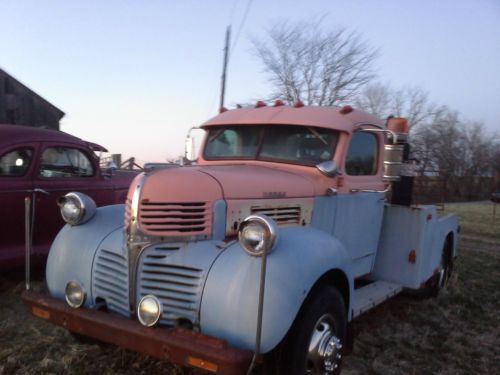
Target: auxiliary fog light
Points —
{"points": [[258, 233], [149, 310], [75, 294]]}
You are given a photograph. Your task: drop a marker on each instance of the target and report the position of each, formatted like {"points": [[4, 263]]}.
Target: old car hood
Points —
{"points": [[253, 181]]}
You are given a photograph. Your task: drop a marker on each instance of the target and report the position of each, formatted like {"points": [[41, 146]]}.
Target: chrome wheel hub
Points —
{"points": [[324, 354]]}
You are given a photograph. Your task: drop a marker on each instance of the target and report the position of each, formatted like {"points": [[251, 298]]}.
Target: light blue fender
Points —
{"points": [[72, 252], [230, 298]]}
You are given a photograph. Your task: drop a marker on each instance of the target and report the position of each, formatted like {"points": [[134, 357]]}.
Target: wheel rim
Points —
{"points": [[324, 353]]}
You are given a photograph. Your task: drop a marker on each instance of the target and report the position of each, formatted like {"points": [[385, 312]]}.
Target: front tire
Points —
{"points": [[315, 341]]}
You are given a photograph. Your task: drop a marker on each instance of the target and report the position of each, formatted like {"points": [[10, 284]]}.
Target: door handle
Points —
{"points": [[38, 190], [371, 191]]}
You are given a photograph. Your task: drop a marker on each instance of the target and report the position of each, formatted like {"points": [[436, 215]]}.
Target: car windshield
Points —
{"points": [[283, 143]]}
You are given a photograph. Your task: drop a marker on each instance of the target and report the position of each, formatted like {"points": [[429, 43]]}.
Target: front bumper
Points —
{"points": [[177, 345]]}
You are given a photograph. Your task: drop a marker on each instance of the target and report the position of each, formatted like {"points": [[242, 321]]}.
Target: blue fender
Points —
{"points": [[230, 297], [73, 250]]}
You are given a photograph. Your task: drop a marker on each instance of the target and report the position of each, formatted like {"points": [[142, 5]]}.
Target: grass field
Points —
{"points": [[477, 219], [456, 333]]}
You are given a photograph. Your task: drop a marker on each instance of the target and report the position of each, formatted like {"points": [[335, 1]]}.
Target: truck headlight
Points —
{"points": [[258, 233], [149, 310], [75, 294], [76, 208]]}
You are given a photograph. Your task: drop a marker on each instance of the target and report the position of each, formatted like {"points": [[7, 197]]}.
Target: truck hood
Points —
{"points": [[209, 183], [179, 201], [253, 181]]}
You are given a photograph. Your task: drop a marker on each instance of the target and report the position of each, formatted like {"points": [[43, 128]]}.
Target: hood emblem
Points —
{"points": [[274, 194]]}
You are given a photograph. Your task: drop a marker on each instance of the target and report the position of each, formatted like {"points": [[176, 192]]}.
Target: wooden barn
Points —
{"points": [[22, 106]]}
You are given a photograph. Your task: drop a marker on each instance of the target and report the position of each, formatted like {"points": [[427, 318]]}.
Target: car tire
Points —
{"points": [[314, 343]]}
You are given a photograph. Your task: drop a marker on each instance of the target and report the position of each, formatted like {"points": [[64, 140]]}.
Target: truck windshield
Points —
{"points": [[283, 143]]}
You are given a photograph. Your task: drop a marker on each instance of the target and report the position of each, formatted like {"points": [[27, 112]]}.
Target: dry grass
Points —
{"points": [[477, 219], [455, 333]]}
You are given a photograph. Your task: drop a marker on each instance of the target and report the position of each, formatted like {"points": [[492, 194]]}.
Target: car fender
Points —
{"points": [[72, 252], [231, 294]]}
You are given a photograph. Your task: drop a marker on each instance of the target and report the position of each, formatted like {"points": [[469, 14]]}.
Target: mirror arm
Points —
{"points": [[393, 135]]}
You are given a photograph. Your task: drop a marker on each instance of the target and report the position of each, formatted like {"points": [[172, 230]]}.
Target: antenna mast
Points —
{"points": [[224, 67]]}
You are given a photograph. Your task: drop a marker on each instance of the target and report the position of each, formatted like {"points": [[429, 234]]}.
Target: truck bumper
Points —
{"points": [[177, 345]]}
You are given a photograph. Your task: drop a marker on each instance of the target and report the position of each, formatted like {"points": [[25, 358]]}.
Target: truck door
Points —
{"points": [[359, 214]]}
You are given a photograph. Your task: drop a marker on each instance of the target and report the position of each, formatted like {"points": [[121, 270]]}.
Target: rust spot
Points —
{"points": [[412, 256], [40, 313], [200, 363]]}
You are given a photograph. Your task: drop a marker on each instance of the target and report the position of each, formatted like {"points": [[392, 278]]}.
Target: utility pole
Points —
{"points": [[224, 67]]}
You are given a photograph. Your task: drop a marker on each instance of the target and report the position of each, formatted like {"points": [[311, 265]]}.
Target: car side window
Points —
{"points": [[15, 163], [65, 162], [361, 157]]}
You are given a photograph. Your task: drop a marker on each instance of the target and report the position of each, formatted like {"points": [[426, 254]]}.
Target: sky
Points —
{"points": [[134, 76]]}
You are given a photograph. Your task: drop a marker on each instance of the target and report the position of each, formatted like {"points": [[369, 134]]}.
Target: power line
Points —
{"points": [[243, 20]]}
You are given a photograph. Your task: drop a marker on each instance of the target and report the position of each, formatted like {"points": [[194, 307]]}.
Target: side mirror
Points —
{"points": [[192, 144], [329, 168]]}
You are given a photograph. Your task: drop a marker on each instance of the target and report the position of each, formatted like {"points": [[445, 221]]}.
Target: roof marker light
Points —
{"points": [[346, 109], [298, 104], [398, 125], [222, 109], [278, 103], [260, 104]]}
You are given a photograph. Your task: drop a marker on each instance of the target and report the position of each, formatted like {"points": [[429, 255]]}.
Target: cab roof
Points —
{"points": [[12, 134], [323, 117]]}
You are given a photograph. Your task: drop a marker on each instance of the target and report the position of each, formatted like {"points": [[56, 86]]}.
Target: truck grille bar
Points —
{"points": [[282, 215], [110, 280], [174, 219], [177, 286]]}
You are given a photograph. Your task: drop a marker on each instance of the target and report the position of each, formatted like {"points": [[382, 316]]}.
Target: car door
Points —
{"points": [[16, 172], [63, 168], [360, 211]]}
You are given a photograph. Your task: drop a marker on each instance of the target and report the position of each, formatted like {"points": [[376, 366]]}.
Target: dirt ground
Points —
{"points": [[456, 333]]}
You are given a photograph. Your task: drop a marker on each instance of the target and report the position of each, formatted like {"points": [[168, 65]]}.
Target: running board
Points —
{"points": [[372, 295]]}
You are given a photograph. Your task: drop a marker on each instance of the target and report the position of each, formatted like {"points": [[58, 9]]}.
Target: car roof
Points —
{"points": [[339, 118], [12, 134]]}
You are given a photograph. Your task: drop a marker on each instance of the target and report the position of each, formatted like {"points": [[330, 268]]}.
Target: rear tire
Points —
{"points": [[314, 343], [439, 281]]}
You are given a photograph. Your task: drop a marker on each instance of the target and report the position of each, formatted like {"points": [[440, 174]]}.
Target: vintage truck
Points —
{"points": [[263, 251]]}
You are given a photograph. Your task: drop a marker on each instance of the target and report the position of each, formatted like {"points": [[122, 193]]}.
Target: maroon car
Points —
{"points": [[46, 164]]}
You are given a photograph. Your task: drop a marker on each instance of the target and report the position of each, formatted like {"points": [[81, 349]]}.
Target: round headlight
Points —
{"points": [[76, 208], [258, 233], [75, 294], [149, 310]]}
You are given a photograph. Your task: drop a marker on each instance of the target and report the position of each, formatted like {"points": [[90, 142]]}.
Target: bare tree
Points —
{"points": [[304, 62], [460, 153], [376, 98], [411, 102]]}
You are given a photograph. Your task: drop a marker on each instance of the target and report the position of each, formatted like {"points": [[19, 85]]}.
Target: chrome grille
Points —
{"points": [[128, 212], [178, 287], [110, 280], [179, 218], [283, 215]]}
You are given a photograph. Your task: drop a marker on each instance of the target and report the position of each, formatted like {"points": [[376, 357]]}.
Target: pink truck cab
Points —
{"points": [[292, 222]]}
